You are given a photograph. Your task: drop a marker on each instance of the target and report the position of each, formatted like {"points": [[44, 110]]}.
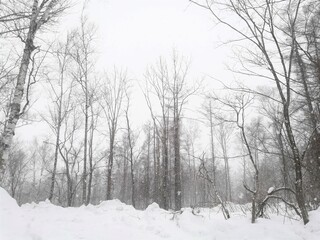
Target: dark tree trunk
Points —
{"points": [[124, 180], [297, 166], [53, 176], [165, 167], [109, 167], [177, 161], [147, 186], [90, 158]]}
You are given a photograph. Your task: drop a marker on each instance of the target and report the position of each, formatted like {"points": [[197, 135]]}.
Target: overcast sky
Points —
{"points": [[134, 34]]}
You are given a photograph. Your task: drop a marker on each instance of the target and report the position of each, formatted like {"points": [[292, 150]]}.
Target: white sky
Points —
{"points": [[134, 34]]}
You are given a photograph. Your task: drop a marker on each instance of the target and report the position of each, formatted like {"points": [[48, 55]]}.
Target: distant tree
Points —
{"points": [[131, 143], [238, 106], [112, 104], [168, 83], [157, 89], [181, 92], [147, 165], [224, 133], [69, 150], [213, 192], [17, 171], [208, 113], [190, 135]]}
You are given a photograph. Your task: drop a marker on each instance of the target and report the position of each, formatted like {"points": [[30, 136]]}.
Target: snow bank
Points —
{"points": [[153, 207], [313, 225], [115, 204], [115, 220], [11, 223], [7, 203]]}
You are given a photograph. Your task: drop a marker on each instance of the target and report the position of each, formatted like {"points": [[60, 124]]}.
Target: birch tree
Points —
{"points": [[40, 13]]}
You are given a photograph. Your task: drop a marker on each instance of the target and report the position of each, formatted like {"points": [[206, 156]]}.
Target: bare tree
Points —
{"points": [[70, 150], [181, 92], [190, 136], [61, 94], [224, 133], [42, 13], [82, 54], [270, 27], [17, 170], [272, 112], [157, 86], [238, 107], [41, 156], [308, 80], [14, 16], [131, 144], [147, 163], [112, 104], [204, 173], [124, 154], [168, 83], [94, 120], [156, 161]]}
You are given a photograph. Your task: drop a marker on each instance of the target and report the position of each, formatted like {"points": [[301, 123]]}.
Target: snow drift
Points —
{"points": [[116, 220]]}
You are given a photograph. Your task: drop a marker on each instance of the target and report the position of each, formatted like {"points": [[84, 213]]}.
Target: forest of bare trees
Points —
{"points": [[246, 145]]}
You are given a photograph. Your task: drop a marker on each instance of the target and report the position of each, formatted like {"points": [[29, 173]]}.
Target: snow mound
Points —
{"points": [[114, 205], [7, 203], [12, 226], [314, 223], [270, 190], [153, 207], [114, 220]]}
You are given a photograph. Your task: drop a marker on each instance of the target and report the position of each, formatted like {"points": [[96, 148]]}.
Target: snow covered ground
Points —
{"points": [[115, 220]]}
